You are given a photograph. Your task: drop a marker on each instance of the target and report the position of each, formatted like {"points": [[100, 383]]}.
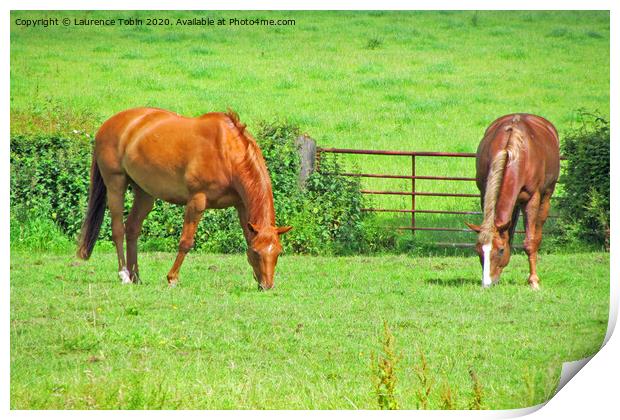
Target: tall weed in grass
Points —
{"points": [[448, 397], [539, 385], [383, 371], [384, 368], [476, 402], [425, 382]]}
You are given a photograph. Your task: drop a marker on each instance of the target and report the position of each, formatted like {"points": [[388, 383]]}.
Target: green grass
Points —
{"points": [[373, 80], [79, 339], [432, 80]]}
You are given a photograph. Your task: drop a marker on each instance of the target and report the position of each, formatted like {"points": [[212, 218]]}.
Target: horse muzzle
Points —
{"points": [[264, 287]]}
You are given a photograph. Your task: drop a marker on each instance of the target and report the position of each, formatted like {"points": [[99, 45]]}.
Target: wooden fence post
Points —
{"points": [[307, 153]]}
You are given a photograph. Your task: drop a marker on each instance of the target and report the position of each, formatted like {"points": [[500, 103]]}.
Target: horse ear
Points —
{"points": [[283, 229], [252, 228], [473, 227]]}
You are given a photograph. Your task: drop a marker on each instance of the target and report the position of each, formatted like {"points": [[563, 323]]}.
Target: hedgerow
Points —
{"points": [[584, 204], [50, 179]]}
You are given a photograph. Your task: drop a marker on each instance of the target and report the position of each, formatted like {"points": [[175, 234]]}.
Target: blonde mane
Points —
{"points": [[506, 157]]}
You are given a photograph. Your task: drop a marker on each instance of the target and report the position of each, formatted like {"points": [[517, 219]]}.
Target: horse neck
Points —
{"points": [[254, 188]]}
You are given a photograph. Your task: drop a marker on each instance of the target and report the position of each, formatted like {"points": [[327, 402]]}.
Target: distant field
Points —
{"points": [[79, 339], [411, 80], [374, 80]]}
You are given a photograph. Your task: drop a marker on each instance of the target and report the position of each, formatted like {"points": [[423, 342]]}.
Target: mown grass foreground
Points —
{"points": [[79, 339]]}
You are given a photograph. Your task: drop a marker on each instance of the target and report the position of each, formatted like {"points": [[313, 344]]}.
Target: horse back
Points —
{"points": [[536, 169], [169, 156], [120, 130], [541, 144]]}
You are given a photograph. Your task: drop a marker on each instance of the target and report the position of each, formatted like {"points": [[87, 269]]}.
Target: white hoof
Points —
{"points": [[124, 275]]}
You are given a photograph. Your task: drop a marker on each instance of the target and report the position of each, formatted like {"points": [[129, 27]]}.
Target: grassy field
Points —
{"points": [[374, 80], [79, 339], [410, 80]]}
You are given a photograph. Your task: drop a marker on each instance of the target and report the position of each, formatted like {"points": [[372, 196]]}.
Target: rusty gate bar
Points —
{"points": [[421, 211], [432, 178], [443, 229], [391, 152], [413, 193], [373, 209]]}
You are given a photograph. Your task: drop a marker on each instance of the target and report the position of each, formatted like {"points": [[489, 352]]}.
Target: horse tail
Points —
{"points": [[94, 213], [504, 157]]}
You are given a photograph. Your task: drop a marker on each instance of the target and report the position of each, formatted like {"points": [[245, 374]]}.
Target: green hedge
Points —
{"points": [[584, 204], [49, 189]]}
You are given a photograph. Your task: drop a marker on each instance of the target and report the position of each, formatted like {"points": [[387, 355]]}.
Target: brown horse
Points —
{"points": [[517, 167], [204, 162]]}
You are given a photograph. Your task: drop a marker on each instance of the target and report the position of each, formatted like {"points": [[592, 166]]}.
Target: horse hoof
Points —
{"points": [[534, 286], [124, 276], [173, 282]]}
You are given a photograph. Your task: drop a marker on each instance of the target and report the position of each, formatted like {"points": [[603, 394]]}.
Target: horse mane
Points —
{"points": [[234, 118], [253, 173], [506, 157], [253, 150]]}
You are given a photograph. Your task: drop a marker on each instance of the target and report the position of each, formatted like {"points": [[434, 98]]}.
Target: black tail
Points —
{"points": [[94, 214]]}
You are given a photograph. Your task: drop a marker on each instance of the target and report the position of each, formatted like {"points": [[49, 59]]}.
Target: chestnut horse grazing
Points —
{"points": [[204, 162], [517, 167]]}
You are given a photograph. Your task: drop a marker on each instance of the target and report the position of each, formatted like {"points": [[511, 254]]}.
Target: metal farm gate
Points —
{"points": [[414, 192]]}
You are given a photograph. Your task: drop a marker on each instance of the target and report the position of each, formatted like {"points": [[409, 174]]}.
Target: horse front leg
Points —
{"points": [[513, 225], [532, 213], [193, 213]]}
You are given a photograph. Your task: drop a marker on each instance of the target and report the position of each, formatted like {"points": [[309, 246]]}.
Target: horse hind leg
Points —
{"points": [[535, 215], [117, 185], [543, 213], [142, 206]]}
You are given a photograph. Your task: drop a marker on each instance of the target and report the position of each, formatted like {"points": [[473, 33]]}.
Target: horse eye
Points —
{"points": [[501, 252]]}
